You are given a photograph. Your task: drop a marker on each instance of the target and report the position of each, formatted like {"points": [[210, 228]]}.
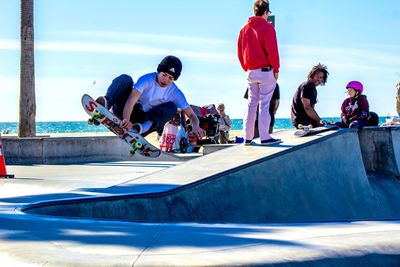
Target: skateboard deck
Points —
{"points": [[136, 141], [306, 131]]}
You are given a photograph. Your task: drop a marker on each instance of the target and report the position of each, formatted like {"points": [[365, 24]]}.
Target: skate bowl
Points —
{"points": [[343, 175]]}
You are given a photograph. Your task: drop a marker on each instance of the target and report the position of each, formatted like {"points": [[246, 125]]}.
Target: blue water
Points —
{"points": [[83, 127]]}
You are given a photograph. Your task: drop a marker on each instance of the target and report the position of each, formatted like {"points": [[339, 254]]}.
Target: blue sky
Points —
{"points": [[82, 45]]}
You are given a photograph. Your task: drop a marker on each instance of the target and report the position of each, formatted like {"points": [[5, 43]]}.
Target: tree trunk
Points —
{"points": [[27, 102]]}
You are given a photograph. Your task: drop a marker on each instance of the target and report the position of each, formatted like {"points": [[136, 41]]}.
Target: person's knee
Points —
{"points": [[373, 119], [124, 79], [120, 84]]}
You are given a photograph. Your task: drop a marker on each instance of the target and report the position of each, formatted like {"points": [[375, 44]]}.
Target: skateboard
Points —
{"points": [[136, 141], [309, 130]]}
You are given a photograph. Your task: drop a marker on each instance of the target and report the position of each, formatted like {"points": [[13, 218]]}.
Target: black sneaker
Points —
{"points": [[137, 127], [248, 142], [271, 141], [102, 101]]}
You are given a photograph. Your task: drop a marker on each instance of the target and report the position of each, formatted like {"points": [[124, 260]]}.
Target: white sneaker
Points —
{"points": [[137, 128]]}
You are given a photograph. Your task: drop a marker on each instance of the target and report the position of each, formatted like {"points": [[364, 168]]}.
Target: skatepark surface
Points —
{"points": [[323, 200]]}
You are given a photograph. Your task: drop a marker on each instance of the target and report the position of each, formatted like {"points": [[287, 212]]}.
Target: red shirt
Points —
{"points": [[257, 45]]}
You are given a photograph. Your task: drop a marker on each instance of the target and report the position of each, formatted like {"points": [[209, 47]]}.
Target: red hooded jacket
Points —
{"points": [[257, 45]]}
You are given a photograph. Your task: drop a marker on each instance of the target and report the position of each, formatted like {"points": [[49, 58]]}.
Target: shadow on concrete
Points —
{"points": [[136, 235], [81, 193], [42, 197], [151, 164]]}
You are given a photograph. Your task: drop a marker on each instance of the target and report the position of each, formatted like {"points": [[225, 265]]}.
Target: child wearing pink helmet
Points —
{"points": [[355, 108]]}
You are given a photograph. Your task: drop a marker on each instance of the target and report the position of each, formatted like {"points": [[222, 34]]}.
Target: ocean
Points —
{"points": [[83, 127]]}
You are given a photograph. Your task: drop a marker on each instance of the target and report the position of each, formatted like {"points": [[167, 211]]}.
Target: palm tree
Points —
{"points": [[27, 102]]}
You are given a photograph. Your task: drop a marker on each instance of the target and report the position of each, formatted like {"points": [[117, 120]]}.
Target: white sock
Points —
{"points": [[146, 126]]}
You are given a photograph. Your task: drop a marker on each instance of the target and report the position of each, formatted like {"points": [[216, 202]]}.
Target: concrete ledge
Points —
{"points": [[207, 149], [65, 150], [380, 147]]}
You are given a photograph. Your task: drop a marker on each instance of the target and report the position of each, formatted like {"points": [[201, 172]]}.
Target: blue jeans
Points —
{"points": [[117, 95]]}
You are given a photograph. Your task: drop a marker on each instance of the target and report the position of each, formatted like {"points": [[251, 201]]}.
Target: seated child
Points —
{"points": [[225, 124], [355, 108]]}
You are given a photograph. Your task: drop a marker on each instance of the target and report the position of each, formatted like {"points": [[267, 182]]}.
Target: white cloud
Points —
{"points": [[375, 65], [7, 44], [154, 38]]}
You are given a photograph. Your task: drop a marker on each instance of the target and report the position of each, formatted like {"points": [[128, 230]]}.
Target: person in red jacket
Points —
{"points": [[355, 108], [259, 57]]}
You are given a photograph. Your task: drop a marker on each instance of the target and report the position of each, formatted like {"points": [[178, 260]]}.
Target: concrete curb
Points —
{"points": [[67, 150]]}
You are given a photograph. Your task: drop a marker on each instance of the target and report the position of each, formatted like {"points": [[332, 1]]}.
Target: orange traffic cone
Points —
{"points": [[3, 171]]}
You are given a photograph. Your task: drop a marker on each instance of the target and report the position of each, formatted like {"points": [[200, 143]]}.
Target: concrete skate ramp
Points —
{"points": [[317, 178]]}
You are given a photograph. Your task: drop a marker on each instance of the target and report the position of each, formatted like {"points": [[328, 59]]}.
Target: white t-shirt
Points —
{"points": [[152, 94]]}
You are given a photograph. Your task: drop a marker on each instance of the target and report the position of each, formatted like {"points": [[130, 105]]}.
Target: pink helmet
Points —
{"points": [[356, 86]]}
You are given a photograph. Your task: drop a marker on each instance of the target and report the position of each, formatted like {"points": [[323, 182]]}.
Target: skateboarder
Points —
{"points": [[304, 100], [150, 103]]}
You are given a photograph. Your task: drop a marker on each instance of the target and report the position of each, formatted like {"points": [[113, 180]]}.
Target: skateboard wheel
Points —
{"points": [[90, 121], [138, 145], [132, 153], [96, 113]]}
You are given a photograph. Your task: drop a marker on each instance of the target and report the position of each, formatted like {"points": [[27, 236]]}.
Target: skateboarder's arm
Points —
{"points": [[130, 103], [194, 121], [310, 110]]}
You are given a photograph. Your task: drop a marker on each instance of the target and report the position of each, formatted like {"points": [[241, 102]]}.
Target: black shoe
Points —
{"points": [[248, 142], [137, 127], [271, 141], [102, 101]]}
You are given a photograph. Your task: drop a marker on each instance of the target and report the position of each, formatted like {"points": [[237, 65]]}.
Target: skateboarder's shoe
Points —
{"points": [[137, 127], [271, 141], [102, 101]]}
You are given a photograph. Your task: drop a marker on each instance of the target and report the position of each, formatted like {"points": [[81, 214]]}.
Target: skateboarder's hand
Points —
{"points": [[126, 124]]}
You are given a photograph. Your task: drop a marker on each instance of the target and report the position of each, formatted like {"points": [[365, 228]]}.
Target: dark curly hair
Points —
{"points": [[319, 67]]}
